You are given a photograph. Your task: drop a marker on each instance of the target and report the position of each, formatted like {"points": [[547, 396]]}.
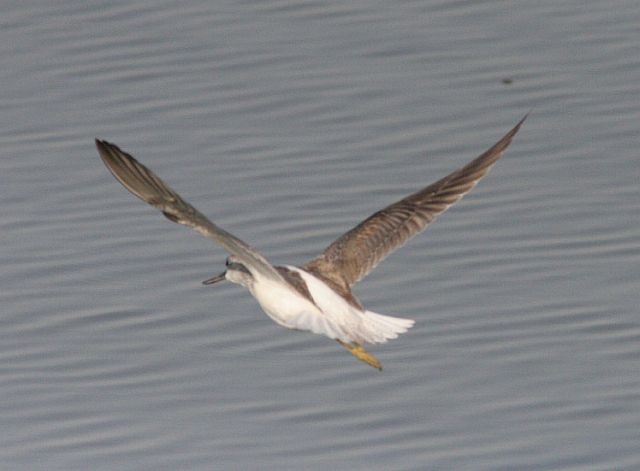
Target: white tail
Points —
{"points": [[379, 328]]}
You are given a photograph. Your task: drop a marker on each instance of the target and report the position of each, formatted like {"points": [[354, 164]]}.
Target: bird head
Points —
{"points": [[235, 272]]}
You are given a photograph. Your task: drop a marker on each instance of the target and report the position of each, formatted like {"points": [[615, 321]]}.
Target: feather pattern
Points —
{"points": [[354, 254], [147, 186]]}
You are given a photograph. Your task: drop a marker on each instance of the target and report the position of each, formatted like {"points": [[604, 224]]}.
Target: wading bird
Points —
{"points": [[316, 297]]}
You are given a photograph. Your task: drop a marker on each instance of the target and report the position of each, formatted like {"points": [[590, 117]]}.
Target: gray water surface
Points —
{"points": [[288, 123]]}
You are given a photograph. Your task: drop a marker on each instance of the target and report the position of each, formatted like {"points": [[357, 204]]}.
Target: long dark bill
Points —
{"points": [[215, 279]]}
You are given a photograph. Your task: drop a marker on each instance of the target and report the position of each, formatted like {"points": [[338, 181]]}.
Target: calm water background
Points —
{"points": [[288, 122]]}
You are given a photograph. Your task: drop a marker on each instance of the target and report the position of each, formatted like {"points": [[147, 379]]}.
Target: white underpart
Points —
{"points": [[331, 315]]}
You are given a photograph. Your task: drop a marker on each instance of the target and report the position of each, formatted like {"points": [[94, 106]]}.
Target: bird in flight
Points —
{"points": [[317, 296]]}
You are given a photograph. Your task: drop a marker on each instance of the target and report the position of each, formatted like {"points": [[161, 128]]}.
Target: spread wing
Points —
{"points": [[147, 186], [354, 254]]}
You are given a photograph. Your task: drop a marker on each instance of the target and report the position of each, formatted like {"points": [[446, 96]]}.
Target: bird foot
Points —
{"points": [[361, 354]]}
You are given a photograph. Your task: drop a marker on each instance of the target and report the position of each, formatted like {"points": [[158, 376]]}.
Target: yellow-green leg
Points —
{"points": [[361, 354]]}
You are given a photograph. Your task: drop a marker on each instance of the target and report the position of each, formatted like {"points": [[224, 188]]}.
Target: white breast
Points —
{"points": [[280, 301]]}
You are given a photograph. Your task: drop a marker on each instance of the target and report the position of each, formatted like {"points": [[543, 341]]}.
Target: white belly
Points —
{"points": [[329, 314], [282, 303]]}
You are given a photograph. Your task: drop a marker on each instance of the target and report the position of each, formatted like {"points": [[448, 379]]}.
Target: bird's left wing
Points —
{"points": [[147, 186]]}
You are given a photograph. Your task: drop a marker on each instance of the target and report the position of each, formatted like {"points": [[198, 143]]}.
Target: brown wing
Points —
{"points": [[147, 186], [353, 255]]}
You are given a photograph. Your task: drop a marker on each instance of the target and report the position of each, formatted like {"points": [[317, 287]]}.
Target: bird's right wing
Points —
{"points": [[354, 254]]}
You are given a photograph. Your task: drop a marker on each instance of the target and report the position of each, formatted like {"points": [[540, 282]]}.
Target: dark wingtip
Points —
{"points": [[101, 144], [524, 118], [503, 143], [516, 128]]}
